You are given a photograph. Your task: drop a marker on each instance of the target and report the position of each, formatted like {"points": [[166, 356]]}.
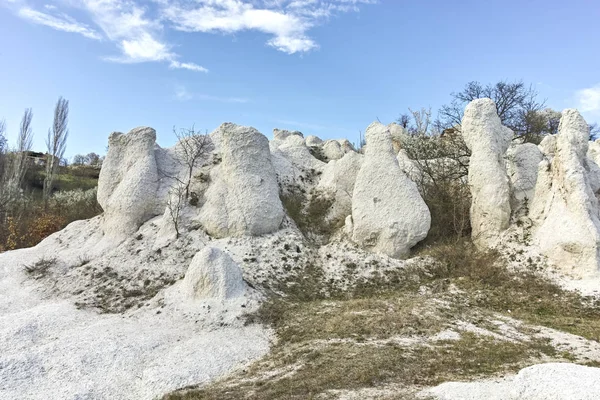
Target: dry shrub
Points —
{"points": [[443, 162], [31, 222], [310, 212]]}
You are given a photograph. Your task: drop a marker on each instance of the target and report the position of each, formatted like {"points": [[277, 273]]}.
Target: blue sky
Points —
{"points": [[327, 68]]}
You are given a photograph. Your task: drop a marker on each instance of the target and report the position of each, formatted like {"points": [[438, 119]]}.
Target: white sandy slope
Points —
{"points": [[50, 349], [552, 381]]}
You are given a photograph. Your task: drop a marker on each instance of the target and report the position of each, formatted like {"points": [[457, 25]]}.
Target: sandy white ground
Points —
{"points": [[50, 349]]}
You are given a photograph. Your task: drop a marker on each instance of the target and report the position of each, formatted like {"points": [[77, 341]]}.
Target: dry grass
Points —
{"points": [[380, 336], [525, 295]]}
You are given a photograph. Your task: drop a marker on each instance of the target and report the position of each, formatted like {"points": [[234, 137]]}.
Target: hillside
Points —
{"points": [[234, 267]]}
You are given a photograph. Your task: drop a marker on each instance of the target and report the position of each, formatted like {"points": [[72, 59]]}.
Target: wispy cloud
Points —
{"points": [[182, 94], [190, 66], [138, 28], [63, 23], [287, 22], [588, 99]]}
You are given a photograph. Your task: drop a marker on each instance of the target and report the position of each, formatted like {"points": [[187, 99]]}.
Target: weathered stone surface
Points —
{"points": [[522, 161], [128, 182], [213, 274], [338, 179], [552, 381], [488, 141], [388, 213], [565, 207], [333, 150], [243, 196], [312, 140], [408, 166], [399, 135]]}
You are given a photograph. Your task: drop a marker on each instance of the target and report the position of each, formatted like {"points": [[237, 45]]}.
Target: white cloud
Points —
{"points": [[288, 22], [191, 66], [65, 24], [589, 99], [138, 28]]}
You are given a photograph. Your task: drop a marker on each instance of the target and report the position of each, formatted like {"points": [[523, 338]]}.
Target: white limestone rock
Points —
{"points": [[213, 274], [293, 161], [243, 196], [388, 213], [565, 208], [312, 140], [594, 151], [338, 179], [552, 381], [409, 167], [488, 141], [282, 134], [399, 135], [333, 150], [522, 167], [346, 146], [128, 182]]}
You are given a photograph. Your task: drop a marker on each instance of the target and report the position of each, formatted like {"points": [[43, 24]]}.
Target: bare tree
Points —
{"points": [[2, 148], [19, 158], [404, 120], [56, 144], [594, 131], [79, 159], [175, 204], [516, 105], [422, 121], [193, 147], [92, 159]]}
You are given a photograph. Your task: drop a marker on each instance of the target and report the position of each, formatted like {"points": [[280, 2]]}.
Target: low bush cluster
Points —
{"points": [[31, 221]]}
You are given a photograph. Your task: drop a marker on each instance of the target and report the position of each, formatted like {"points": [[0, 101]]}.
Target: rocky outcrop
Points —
{"points": [[338, 179], [552, 381], [488, 141], [399, 136], [213, 274], [128, 182], [408, 166], [522, 167], [243, 196], [388, 214], [332, 150], [312, 141], [293, 161], [565, 207]]}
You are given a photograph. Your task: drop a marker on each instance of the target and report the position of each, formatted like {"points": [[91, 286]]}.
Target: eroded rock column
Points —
{"points": [[388, 213], [243, 196], [128, 182], [565, 208], [488, 141]]}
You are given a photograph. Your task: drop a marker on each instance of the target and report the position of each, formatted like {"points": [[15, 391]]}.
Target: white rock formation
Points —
{"points": [[388, 213], [128, 182], [488, 141], [522, 161], [565, 208], [399, 135], [338, 178], [312, 140], [243, 196], [552, 381], [213, 274], [408, 166], [333, 150], [293, 161], [594, 151]]}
